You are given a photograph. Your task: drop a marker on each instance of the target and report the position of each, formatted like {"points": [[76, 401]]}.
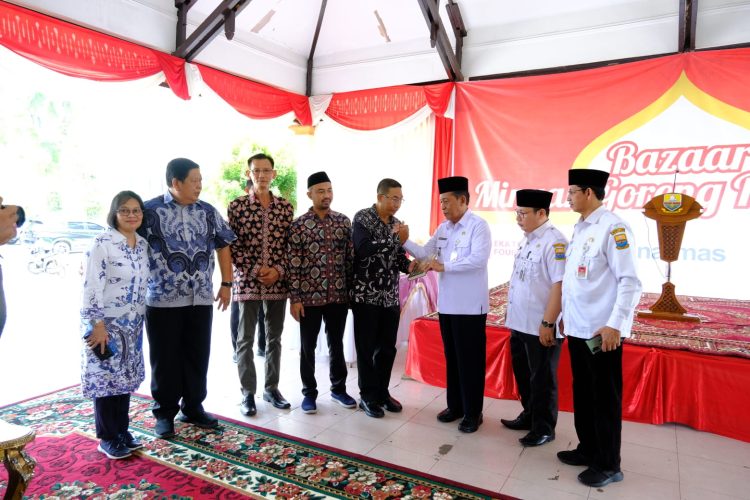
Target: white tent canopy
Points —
{"points": [[377, 43]]}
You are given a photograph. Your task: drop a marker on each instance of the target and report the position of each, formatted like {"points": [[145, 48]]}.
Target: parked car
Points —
{"points": [[70, 236], [26, 234]]}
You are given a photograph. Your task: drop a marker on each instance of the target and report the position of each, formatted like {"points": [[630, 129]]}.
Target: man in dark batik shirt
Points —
{"points": [[379, 258], [320, 257], [261, 221]]}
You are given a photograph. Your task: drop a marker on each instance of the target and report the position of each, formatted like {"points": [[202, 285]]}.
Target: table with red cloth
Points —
{"points": [[687, 373]]}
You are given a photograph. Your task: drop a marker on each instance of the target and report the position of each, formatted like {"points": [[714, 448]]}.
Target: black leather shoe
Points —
{"points": [[448, 415], [598, 478], [276, 399], [534, 439], [520, 423], [573, 457], [392, 405], [203, 420], [164, 428], [371, 409], [261, 353], [470, 424], [247, 407]]}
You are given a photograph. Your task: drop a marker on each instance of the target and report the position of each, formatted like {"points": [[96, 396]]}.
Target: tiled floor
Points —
{"points": [[660, 462]]}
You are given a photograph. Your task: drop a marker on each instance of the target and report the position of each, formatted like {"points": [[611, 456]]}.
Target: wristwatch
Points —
{"points": [[226, 283], [547, 324]]}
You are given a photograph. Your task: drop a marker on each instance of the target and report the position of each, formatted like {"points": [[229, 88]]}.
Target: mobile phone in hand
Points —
{"points": [[595, 344]]}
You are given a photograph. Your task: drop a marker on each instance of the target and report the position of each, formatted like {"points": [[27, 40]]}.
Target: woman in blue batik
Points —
{"points": [[114, 303]]}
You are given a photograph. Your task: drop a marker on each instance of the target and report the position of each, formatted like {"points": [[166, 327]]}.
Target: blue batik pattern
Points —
{"points": [[114, 291], [182, 240]]}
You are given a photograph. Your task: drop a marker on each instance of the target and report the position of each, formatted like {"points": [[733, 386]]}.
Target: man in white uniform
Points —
{"points": [[459, 251], [600, 292], [533, 309]]}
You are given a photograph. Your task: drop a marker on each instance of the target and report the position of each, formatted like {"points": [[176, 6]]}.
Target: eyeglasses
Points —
{"points": [[571, 192], [262, 171], [521, 214], [394, 199], [126, 211]]}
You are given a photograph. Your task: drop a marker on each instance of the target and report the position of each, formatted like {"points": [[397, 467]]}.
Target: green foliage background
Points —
{"points": [[231, 182]]}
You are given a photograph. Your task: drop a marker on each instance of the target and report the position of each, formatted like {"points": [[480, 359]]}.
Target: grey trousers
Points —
{"points": [[274, 310]]}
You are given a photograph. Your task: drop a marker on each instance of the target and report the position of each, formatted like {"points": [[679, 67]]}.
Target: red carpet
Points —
{"points": [[233, 461]]}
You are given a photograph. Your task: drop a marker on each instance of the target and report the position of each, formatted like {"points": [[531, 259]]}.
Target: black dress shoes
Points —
{"points": [[164, 428], [203, 420], [247, 407], [470, 424], [597, 478], [448, 415], [276, 399], [371, 409], [392, 405], [520, 423], [573, 457], [534, 439]]}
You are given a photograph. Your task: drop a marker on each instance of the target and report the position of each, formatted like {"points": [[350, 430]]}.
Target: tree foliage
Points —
{"points": [[231, 182]]}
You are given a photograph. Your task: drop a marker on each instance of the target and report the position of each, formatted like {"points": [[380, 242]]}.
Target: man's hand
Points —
{"points": [[8, 219], [268, 276], [610, 338], [297, 310], [547, 336], [412, 265], [223, 297], [434, 265], [98, 337], [403, 232]]}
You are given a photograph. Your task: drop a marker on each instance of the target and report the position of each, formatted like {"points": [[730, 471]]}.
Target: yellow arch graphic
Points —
{"points": [[682, 87]]}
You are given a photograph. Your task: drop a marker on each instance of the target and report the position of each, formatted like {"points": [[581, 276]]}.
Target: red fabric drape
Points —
{"points": [[255, 99], [706, 392], [379, 108], [84, 53]]}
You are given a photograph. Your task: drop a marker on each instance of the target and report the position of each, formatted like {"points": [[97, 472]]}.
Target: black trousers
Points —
{"points": [[465, 346], [334, 316], [180, 345], [111, 416], [234, 326], [535, 370], [375, 331], [597, 403]]}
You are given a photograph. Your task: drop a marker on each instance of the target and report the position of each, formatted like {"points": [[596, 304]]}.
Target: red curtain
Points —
{"points": [[379, 108], [706, 392], [253, 99], [83, 53]]}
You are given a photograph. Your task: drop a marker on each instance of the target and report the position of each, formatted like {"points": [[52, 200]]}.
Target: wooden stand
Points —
{"points": [[19, 464], [671, 211]]}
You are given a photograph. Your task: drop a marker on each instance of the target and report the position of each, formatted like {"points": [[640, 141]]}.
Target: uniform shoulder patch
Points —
{"points": [[559, 251], [621, 239]]}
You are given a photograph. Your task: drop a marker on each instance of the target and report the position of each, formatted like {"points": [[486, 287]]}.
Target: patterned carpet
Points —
{"points": [[724, 328], [233, 461]]}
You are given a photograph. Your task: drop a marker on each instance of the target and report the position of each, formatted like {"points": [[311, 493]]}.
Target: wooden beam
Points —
{"points": [[459, 29], [308, 86], [442, 42], [688, 15], [183, 6], [209, 29]]}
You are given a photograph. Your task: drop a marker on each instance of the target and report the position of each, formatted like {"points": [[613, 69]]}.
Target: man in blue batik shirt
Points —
{"points": [[182, 233]]}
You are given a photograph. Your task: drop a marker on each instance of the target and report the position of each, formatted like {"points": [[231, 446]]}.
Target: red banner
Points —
{"points": [[672, 124]]}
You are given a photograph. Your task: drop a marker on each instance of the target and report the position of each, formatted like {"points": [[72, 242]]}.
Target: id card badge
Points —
{"points": [[582, 272]]}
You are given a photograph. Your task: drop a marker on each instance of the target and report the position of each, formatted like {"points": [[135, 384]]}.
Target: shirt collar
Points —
{"points": [[538, 232], [253, 199], [464, 220], [594, 216]]}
